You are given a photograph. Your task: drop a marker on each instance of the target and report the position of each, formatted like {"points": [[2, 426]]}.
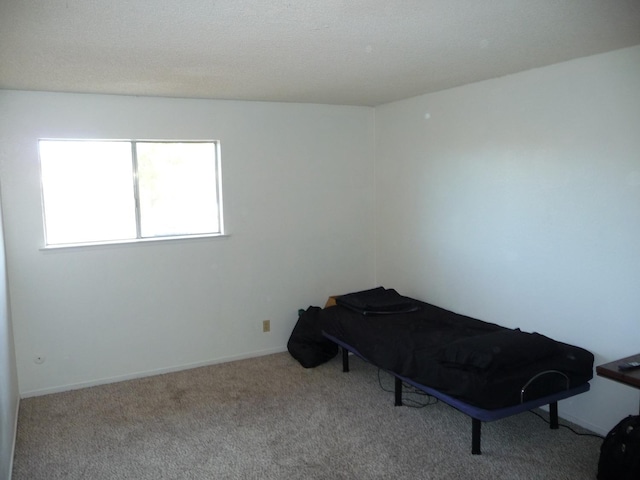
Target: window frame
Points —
{"points": [[135, 179]]}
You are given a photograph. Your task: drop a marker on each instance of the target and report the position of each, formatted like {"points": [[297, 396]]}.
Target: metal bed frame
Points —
{"points": [[477, 414]]}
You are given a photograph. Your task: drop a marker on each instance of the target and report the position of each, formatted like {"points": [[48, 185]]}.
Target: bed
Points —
{"points": [[484, 370]]}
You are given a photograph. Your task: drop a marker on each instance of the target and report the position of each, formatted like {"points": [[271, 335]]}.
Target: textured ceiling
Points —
{"points": [[351, 52]]}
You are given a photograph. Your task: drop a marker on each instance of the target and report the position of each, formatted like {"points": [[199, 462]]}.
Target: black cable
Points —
{"points": [[568, 427], [410, 390]]}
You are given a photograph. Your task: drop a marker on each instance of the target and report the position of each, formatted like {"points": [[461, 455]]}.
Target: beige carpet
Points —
{"points": [[268, 418]]}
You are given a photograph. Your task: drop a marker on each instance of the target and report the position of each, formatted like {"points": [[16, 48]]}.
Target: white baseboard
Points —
{"points": [[148, 373], [15, 436], [578, 421], [582, 423]]}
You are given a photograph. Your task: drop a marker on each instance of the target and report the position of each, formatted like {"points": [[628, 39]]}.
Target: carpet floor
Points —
{"points": [[269, 418]]}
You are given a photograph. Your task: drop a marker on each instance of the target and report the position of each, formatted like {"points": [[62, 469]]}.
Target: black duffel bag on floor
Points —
{"points": [[307, 344]]}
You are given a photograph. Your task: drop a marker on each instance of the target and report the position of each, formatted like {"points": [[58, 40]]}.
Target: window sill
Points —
{"points": [[135, 241]]}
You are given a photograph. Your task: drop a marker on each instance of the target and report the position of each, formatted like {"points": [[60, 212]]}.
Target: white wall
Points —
{"points": [[298, 196], [518, 201], [9, 395]]}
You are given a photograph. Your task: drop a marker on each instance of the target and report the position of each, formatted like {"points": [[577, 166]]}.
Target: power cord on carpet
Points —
{"points": [[409, 390], [580, 434]]}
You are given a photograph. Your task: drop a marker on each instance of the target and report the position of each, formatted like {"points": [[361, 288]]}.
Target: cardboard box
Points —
{"points": [[331, 301]]}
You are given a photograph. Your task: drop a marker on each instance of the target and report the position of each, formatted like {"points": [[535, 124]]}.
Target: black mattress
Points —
{"points": [[481, 363]]}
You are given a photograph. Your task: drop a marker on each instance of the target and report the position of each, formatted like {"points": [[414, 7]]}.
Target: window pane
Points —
{"points": [[87, 191], [177, 188]]}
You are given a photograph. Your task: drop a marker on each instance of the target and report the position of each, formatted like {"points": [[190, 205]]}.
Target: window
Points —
{"points": [[112, 190]]}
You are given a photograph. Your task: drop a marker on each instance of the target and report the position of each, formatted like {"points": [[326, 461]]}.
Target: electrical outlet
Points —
{"points": [[266, 325]]}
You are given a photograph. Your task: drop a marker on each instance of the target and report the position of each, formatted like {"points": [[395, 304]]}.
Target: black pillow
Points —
{"points": [[378, 301], [500, 349]]}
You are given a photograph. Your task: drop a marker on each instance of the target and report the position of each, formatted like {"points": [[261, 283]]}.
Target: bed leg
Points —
{"points": [[398, 390], [476, 427], [553, 415], [345, 360]]}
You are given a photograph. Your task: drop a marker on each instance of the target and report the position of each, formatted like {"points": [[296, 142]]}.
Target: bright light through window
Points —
{"points": [[177, 188], [105, 191]]}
